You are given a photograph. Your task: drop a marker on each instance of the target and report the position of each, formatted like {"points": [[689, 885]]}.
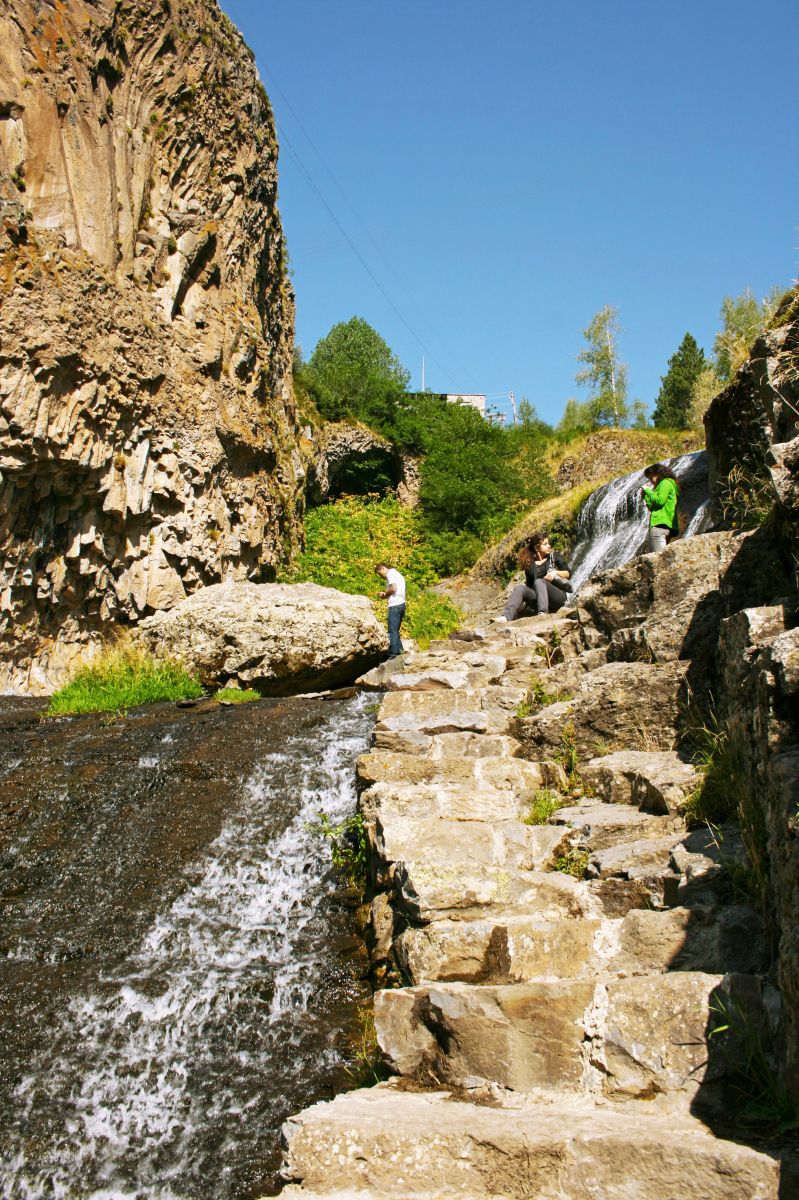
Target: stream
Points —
{"points": [[179, 968]]}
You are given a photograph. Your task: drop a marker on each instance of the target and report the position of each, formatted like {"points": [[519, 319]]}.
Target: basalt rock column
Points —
{"points": [[147, 425]]}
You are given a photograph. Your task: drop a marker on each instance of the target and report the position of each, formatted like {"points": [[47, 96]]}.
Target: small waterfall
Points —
{"points": [[614, 520], [168, 1076]]}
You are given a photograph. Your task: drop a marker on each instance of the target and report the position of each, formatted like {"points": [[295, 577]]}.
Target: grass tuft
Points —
{"points": [[574, 863], [543, 805], [123, 675], [347, 847], [236, 696]]}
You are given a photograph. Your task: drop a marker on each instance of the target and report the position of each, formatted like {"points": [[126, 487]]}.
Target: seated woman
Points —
{"points": [[544, 569]]}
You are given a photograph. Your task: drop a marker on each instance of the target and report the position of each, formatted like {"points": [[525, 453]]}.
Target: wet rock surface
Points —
{"points": [[178, 968]]}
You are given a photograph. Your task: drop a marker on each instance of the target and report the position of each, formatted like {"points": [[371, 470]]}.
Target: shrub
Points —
{"points": [[344, 540], [121, 676], [347, 846]]}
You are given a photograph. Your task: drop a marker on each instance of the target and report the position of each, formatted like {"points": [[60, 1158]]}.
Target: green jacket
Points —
{"points": [[662, 503]]}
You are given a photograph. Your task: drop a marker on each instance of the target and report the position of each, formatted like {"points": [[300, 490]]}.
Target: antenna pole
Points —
{"points": [[422, 372], [513, 406]]}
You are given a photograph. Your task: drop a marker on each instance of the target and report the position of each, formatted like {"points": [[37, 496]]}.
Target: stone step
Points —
{"points": [[601, 826], [509, 949], [514, 949], [382, 1142], [633, 1038], [390, 767], [656, 780], [496, 703], [427, 892]]}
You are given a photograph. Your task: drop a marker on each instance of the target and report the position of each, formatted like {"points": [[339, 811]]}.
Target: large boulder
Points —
{"points": [[279, 639]]}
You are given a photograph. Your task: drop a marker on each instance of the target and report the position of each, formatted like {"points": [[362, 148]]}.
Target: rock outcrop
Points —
{"points": [[339, 444], [147, 434], [754, 422], [275, 638]]}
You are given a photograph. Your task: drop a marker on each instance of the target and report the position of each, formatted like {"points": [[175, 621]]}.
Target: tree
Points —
{"points": [[673, 405], [352, 372], [705, 388], [743, 320], [604, 373]]}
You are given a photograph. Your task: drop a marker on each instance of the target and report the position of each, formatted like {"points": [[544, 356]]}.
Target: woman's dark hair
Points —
{"points": [[527, 552], [663, 471]]}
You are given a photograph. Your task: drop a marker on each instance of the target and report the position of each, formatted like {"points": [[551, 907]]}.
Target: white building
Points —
{"points": [[478, 402]]}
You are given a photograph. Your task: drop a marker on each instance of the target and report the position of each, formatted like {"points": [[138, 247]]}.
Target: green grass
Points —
{"points": [[723, 787], [574, 863], [344, 540], [347, 847], [543, 805], [236, 696], [122, 676]]}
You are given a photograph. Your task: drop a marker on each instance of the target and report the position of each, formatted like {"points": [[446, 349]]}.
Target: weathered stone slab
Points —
{"points": [[377, 679], [463, 844], [603, 826], [616, 896], [522, 1037], [440, 800], [618, 703], [383, 1142], [403, 741], [278, 638], [506, 950], [632, 859], [701, 938], [496, 772], [428, 893], [651, 1034], [657, 780], [473, 745], [427, 681]]}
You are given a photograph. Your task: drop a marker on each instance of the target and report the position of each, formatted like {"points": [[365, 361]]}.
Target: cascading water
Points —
{"points": [[168, 1075], [614, 520]]}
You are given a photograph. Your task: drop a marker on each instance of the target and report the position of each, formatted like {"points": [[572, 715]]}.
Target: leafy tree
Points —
{"points": [[473, 476], [743, 320], [530, 424], [673, 406], [352, 372], [604, 373], [577, 418]]}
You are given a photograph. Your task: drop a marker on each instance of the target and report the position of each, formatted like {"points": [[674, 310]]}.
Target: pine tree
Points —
{"points": [[674, 403]]}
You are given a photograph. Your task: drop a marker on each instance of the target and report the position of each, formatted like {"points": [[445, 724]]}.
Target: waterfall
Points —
{"points": [[167, 1076], [614, 520]]}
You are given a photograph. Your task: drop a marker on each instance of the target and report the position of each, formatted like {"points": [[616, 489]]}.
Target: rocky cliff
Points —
{"points": [[148, 431]]}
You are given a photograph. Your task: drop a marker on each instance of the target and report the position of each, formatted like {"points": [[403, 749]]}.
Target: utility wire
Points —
{"points": [[358, 218]]}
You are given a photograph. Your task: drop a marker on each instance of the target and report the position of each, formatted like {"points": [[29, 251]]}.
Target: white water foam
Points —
{"points": [[157, 1075]]}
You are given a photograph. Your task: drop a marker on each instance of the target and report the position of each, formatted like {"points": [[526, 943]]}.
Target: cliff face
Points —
{"points": [[148, 428]]}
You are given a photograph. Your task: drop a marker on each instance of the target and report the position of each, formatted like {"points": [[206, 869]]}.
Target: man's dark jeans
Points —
{"points": [[395, 614]]}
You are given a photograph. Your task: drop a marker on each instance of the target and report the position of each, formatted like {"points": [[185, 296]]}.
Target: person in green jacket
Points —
{"points": [[661, 500]]}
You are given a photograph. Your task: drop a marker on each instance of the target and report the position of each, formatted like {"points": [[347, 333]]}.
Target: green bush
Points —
{"points": [[122, 676], [344, 540], [236, 695]]}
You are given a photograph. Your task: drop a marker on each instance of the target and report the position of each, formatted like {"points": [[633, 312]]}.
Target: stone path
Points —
{"points": [[552, 987]]}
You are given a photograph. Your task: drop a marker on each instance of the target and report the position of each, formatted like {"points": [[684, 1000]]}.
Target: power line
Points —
{"points": [[301, 166], [358, 217]]}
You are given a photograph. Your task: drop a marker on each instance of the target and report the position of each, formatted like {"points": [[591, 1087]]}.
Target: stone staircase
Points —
{"points": [[552, 989]]}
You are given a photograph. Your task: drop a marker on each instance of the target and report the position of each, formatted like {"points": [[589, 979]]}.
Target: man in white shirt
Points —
{"points": [[395, 594]]}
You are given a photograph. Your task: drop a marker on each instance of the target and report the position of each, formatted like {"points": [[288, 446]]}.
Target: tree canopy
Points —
{"points": [[353, 372], [743, 320], [673, 409]]}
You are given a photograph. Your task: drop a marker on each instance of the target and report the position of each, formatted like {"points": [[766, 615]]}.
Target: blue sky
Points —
{"points": [[505, 169]]}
